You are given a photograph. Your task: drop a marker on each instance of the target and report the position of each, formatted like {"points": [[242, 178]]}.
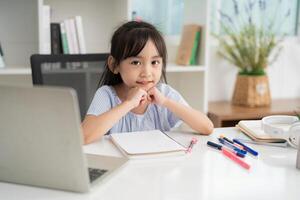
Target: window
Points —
{"points": [[281, 15], [166, 15]]}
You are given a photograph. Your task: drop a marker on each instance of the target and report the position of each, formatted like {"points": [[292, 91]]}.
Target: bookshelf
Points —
{"points": [[191, 81], [100, 18]]}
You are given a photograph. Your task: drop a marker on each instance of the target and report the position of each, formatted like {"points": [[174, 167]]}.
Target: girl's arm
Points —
{"points": [[195, 119], [94, 127]]}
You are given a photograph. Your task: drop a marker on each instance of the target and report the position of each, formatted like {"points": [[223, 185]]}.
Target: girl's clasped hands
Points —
{"points": [[137, 96]]}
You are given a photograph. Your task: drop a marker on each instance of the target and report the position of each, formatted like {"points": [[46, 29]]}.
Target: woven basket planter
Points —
{"points": [[251, 91]]}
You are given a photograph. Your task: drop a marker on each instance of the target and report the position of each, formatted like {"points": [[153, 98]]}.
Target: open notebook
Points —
{"points": [[253, 129], [146, 144]]}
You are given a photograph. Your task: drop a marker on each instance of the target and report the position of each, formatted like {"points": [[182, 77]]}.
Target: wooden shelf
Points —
{"points": [[224, 114], [170, 68], [181, 68]]}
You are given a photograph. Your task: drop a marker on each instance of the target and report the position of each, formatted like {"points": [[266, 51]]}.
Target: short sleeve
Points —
{"points": [[171, 93], [101, 102]]}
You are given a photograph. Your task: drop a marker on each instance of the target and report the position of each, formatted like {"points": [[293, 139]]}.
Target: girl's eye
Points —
{"points": [[135, 62], [155, 62]]}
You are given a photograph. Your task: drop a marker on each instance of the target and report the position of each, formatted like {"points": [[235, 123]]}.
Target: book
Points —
{"points": [[189, 45], [80, 34], [64, 40], [44, 29], [246, 139], [253, 129], [1, 51], [193, 58], [71, 36], [275, 144], [146, 144], [56, 44], [2, 64], [74, 36]]}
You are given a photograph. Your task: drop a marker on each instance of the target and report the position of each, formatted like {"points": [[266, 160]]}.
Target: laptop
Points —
{"points": [[41, 141]]}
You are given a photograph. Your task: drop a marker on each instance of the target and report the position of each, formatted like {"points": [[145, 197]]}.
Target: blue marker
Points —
{"points": [[222, 141], [253, 152], [220, 147]]}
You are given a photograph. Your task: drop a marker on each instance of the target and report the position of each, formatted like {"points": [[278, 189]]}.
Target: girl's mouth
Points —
{"points": [[144, 82]]}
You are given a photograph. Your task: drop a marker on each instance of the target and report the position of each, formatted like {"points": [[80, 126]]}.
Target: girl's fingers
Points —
{"points": [[151, 90], [150, 98], [143, 101], [151, 94], [144, 93]]}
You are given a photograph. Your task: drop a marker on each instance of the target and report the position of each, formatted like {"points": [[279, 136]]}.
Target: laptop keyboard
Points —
{"points": [[96, 173]]}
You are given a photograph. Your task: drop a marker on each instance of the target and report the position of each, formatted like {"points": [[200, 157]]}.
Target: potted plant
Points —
{"points": [[248, 45]]}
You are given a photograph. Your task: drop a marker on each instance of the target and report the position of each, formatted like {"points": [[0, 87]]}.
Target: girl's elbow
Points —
{"points": [[87, 134], [208, 129], [91, 137], [86, 141]]}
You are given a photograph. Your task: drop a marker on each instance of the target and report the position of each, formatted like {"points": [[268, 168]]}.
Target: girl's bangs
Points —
{"points": [[136, 42]]}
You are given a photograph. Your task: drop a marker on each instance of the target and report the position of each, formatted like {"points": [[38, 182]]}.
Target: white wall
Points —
{"points": [[284, 73], [18, 31]]}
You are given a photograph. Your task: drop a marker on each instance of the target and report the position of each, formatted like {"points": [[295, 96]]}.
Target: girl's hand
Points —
{"points": [[136, 96], [155, 96]]}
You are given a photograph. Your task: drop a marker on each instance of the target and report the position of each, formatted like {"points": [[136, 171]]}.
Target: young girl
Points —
{"points": [[133, 95]]}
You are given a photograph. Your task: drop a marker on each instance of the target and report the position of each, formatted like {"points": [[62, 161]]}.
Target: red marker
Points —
{"points": [[234, 158], [229, 154], [193, 141]]}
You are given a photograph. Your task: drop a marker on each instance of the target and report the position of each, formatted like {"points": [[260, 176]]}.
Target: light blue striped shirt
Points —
{"points": [[155, 117]]}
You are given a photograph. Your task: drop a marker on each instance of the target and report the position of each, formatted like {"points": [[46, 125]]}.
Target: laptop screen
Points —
{"points": [[82, 76]]}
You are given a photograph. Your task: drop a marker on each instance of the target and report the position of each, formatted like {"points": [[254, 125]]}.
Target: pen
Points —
{"points": [[232, 146], [219, 147], [230, 141], [225, 138], [193, 141], [250, 150], [214, 145]]}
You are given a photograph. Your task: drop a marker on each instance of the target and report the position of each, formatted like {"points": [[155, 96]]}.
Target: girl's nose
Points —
{"points": [[146, 71]]}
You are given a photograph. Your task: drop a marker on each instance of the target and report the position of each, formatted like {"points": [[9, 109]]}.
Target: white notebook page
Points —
{"points": [[145, 142]]}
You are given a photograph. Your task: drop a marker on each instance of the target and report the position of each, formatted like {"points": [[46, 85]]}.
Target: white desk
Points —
{"points": [[203, 174]]}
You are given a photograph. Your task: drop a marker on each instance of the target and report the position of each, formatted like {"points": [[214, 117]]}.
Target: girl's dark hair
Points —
{"points": [[129, 40]]}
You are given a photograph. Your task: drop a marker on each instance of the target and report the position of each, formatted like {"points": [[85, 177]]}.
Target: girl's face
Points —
{"points": [[144, 70]]}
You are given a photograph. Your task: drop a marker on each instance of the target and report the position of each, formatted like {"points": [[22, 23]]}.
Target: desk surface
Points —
{"points": [[203, 174]]}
